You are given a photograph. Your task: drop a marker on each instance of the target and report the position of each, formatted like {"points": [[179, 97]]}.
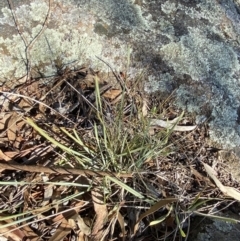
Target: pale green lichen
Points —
{"points": [[214, 63], [169, 7], [63, 41], [162, 82], [200, 57], [195, 38]]}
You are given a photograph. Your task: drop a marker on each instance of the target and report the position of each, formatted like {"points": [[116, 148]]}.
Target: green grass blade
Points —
{"points": [[161, 219], [224, 219], [179, 226], [77, 140], [55, 143], [126, 187]]}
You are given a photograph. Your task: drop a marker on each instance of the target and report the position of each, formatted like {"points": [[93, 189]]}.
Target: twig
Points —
{"points": [[119, 80], [59, 170], [16, 23], [29, 45]]}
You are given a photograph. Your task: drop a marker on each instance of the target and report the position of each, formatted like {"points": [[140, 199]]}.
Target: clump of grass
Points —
{"points": [[120, 141]]}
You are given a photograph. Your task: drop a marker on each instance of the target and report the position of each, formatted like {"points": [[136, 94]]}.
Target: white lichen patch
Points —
{"points": [[71, 38], [162, 82], [169, 7], [200, 57], [169, 39], [214, 63]]}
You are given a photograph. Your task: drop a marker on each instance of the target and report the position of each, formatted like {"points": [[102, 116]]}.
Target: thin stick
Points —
{"points": [[59, 170], [29, 45], [115, 75]]}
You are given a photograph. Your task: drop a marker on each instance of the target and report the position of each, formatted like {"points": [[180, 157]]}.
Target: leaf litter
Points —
{"points": [[87, 155]]}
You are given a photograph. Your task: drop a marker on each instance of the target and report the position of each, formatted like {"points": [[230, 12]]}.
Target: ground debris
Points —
{"points": [[60, 140]]}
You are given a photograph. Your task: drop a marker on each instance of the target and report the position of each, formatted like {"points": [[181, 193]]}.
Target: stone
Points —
{"points": [[209, 229], [191, 46]]}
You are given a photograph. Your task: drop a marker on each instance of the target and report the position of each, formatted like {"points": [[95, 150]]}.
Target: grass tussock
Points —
{"points": [[90, 159]]}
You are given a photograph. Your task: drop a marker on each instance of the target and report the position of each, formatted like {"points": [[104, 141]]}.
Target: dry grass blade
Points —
{"points": [[179, 226], [224, 219], [105, 131], [59, 170]]}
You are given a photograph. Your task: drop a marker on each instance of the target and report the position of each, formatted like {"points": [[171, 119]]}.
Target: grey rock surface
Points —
{"points": [[188, 45], [213, 229]]}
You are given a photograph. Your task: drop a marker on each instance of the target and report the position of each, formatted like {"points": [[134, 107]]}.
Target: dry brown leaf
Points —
{"points": [[200, 177], [4, 121], [16, 235], [4, 157], [72, 223], [42, 108], [36, 151], [81, 236], [70, 213], [82, 225], [48, 192], [228, 191], [29, 233], [21, 124], [18, 142], [101, 215], [121, 223], [62, 231], [153, 209], [25, 103], [12, 127], [112, 94], [11, 154], [116, 99]]}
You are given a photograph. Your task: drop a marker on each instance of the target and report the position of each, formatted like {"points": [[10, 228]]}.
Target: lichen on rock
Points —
{"points": [[169, 40]]}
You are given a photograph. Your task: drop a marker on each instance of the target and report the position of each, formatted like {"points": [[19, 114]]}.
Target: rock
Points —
{"points": [[188, 45], [214, 229]]}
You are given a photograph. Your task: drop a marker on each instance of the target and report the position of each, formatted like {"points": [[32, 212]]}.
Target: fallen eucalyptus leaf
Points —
{"points": [[171, 125], [228, 191]]}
